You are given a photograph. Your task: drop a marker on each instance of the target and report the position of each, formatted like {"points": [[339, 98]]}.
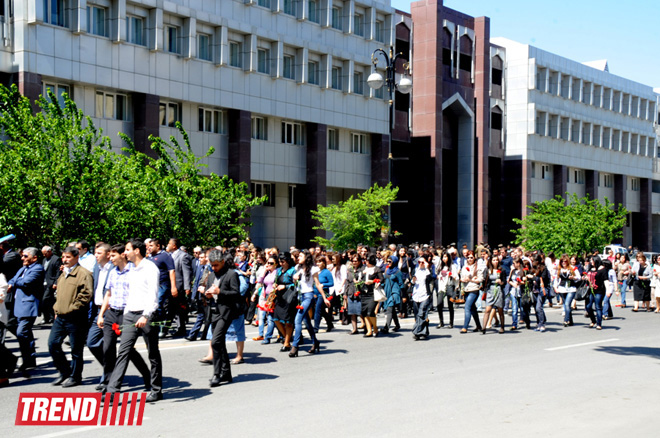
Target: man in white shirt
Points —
{"points": [[141, 305], [100, 273], [86, 259]]}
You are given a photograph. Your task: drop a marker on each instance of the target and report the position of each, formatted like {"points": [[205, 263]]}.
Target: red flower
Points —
{"points": [[468, 269], [299, 307], [519, 280], [525, 269], [116, 328], [356, 294], [377, 281], [499, 272], [330, 297]]}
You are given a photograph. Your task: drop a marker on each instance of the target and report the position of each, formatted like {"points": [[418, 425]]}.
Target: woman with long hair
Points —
{"points": [[447, 278], [624, 273], [352, 292], [393, 287], [515, 282], [496, 281], [405, 266], [307, 277], [541, 289], [324, 307], [472, 278], [370, 276], [641, 274], [422, 296], [285, 299], [598, 292], [339, 274], [568, 276]]}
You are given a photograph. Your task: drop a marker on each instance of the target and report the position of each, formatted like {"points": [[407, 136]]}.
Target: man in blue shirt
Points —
{"points": [[166, 277]]}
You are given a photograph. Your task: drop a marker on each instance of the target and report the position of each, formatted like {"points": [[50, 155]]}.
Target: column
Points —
{"points": [[642, 227], [591, 183], [239, 150], [559, 177], [380, 146], [482, 71], [314, 192], [146, 123]]}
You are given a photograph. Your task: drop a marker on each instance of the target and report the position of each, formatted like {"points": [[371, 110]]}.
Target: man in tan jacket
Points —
{"points": [[74, 292]]}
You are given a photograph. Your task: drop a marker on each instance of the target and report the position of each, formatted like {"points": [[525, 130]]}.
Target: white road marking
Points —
{"points": [[581, 345]]}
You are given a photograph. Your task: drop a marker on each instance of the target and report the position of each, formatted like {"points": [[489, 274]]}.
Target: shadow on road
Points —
{"points": [[257, 358], [180, 390], [252, 377], [631, 351]]}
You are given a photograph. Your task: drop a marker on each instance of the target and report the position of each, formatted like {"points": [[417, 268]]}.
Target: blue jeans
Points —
{"points": [[515, 309], [95, 343], [271, 326], [595, 300], [164, 296], [568, 298], [421, 327], [471, 309], [307, 301], [540, 313], [321, 310], [624, 289], [607, 308], [75, 327]]}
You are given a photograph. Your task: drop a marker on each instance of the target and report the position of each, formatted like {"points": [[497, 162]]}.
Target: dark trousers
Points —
{"points": [[7, 359], [391, 316], [540, 313], [441, 308], [26, 340], [203, 319], [421, 311], [221, 320], [129, 336], [95, 342], [525, 312], [322, 311], [111, 317], [75, 327], [46, 307]]}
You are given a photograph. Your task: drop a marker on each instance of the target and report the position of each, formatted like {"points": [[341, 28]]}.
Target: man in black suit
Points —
{"points": [[52, 265], [183, 282]]}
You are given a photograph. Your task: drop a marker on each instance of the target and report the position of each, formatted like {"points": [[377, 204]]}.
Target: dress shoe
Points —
{"points": [[100, 387], [294, 352], [190, 338], [226, 378], [11, 366], [283, 349], [70, 382], [154, 397], [60, 380], [215, 381]]}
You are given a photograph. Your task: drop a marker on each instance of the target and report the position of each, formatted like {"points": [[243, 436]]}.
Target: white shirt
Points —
{"points": [[99, 292], [143, 288], [307, 284], [87, 261], [420, 291]]}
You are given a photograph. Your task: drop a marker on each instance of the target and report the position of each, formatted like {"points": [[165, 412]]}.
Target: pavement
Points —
{"points": [[566, 382]]}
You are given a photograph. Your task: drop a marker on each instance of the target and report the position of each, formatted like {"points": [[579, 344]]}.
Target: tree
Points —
{"points": [[357, 220], [572, 226], [61, 180]]}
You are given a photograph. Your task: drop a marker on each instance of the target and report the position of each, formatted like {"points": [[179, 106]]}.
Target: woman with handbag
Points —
{"points": [[568, 276], [352, 292], [393, 287], [370, 276], [339, 274], [471, 278], [526, 294], [448, 275], [421, 297], [515, 282], [496, 280], [286, 296], [641, 273]]}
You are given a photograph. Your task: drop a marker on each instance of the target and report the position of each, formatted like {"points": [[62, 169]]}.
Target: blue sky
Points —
{"points": [[626, 33]]}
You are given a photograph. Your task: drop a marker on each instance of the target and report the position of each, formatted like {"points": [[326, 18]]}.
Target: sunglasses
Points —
{"points": [[270, 263]]}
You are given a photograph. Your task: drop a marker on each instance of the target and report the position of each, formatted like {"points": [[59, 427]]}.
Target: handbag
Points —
{"points": [[379, 293], [290, 294], [582, 291]]}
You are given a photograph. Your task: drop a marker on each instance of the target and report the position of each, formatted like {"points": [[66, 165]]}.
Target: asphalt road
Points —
{"points": [[565, 382]]}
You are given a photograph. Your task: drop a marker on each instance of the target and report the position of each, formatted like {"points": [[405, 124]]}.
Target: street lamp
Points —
{"points": [[403, 85]]}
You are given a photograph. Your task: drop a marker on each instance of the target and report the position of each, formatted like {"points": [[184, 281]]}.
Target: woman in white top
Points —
{"points": [[448, 274], [471, 278], [567, 276], [307, 278], [339, 273], [422, 298]]}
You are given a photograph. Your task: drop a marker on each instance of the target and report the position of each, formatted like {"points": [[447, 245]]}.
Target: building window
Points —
{"points": [[540, 78], [211, 120], [333, 139], [111, 106], [263, 61], [313, 72], [58, 90], [259, 128], [172, 39], [293, 133], [235, 54], [264, 3], [540, 123], [608, 180], [336, 18], [336, 78], [379, 93], [358, 24], [292, 196], [169, 113], [378, 31], [546, 172], [204, 47], [54, 13], [288, 70], [578, 176], [289, 7], [264, 189], [313, 8], [358, 143], [135, 30], [496, 121], [634, 184], [96, 21], [358, 83]]}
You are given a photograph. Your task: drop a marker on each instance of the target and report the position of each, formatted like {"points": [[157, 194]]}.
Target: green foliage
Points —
{"points": [[574, 226], [61, 181], [357, 220]]}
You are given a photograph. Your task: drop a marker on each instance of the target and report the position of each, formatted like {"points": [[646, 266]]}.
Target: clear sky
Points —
{"points": [[626, 33]]}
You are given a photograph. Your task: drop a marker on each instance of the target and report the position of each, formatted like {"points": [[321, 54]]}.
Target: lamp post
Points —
{"points": [[403, 85]]}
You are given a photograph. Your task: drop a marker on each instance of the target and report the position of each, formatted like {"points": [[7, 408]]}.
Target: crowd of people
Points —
{"points": [[117, 293]]}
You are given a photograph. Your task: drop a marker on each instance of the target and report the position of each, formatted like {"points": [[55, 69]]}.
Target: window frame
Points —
{"points": [[130, 30], [358, 28], [313, 73], [292, 67], [62, 16], [259, 128], [235, 52], [336, 79], [259, 189], [172, 45], [361, 146], [293, 133], [92, 24], [209, 53], [169, 107], [263, 60], [116, 107], [333, 139], [58, 89], [211, 120], [335, 18]]}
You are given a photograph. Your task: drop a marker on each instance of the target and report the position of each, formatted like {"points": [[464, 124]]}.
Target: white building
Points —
{"points": [[577, 128], [277, 87]]}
